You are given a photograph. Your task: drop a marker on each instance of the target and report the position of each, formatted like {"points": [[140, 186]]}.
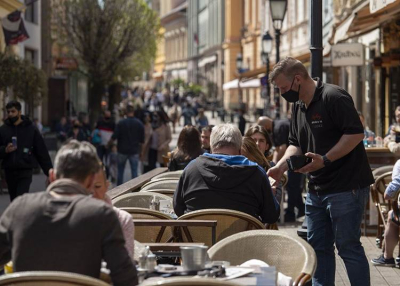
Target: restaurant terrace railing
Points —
{"points": [[134, 185]]}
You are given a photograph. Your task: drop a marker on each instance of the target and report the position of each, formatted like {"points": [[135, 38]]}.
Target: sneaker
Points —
{"points": [[382, 261]]}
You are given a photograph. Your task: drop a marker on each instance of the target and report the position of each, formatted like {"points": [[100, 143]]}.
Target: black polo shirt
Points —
{"points": [[318, 128], [280, 132]]}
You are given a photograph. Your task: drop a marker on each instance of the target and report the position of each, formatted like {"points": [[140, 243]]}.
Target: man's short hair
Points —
{"points": [[225, 135], [289, 67], [76, 160], [14, 103], [130, 109], [207, 128]]}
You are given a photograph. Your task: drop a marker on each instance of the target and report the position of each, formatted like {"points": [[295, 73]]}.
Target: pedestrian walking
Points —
{"points": [[326, 128], [129, 134], [106, 127], [21, 148]]}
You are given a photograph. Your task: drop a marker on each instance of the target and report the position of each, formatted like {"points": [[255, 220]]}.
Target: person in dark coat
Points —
{"points": [[21, 148]]}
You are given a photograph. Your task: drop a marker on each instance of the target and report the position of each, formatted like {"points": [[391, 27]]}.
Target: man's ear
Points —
{"points": [[88, 183], [52, 175]]}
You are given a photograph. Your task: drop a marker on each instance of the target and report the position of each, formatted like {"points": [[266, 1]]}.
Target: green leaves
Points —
{"points": [[25, 80]]}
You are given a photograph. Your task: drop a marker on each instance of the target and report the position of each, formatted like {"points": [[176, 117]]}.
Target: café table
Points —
{"points": [[184, 224], [380, 156], [265, 276]]}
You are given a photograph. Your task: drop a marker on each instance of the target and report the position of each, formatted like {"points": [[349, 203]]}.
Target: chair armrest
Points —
{"points": [[302, 279]]}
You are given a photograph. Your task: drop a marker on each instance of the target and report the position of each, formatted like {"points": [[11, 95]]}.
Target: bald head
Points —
{"points": [[265, 122]]}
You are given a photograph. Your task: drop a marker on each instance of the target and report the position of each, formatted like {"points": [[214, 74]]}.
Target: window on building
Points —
{"points": [[203, 29], [300, 10], [202, 4], [30, 12], [30, 55]]}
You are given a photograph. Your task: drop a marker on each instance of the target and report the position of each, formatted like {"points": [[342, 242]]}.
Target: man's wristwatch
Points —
{"points": [[327, 162]]}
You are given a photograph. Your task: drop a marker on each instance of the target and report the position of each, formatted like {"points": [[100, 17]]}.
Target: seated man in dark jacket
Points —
{"points": [[226, 180], [64, 228]]}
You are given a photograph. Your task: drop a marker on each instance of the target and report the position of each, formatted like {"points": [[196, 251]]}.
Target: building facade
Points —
{"points": [[206, 30], [173, 19], [67, 87]]}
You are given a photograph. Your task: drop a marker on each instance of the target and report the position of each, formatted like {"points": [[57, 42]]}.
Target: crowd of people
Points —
{"points": [[225, 167]]}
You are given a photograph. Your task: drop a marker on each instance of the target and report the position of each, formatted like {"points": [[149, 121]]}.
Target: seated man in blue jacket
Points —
{"points": [[226, 180]]}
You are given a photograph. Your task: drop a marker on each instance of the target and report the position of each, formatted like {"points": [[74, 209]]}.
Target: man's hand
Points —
{"points": [[275, 173], [10, 148], [316, 164]]}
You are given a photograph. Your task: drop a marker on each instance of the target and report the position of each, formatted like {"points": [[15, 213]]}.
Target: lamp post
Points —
{"points": [[278, 11], [239, 66], [266, 47]]}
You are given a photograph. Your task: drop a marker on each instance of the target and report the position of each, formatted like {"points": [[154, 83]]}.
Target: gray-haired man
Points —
{"points": [[64, 229], [226, 180]]}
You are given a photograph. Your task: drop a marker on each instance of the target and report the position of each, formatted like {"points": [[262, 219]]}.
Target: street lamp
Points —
{"points": [[239, 66], [266, 47], [278, 11], [239, 62]]}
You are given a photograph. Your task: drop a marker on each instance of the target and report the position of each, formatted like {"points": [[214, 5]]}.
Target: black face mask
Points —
{"points": [[107, 118], [13, 119], [291, 95]]}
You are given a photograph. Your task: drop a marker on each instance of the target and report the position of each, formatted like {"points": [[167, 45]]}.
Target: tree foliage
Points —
{"points": [[22, 78], [110, 38]]}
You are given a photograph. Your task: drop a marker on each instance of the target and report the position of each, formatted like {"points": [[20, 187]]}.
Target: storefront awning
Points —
{"points": [[207, 60], [362, 21], [253, 83]]}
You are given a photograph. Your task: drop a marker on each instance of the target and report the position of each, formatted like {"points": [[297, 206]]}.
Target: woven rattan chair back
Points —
{"points": [[138, 200], [181, 281], [161, 184], [168, 175], [150, 233], [166, 192], [291, 256], [49, 278], [382, 170], [228, 222], [383, 206]]}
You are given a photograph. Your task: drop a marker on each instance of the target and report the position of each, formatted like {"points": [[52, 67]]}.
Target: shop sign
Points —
{"points": [[65, 63], [347, 55], [376, 5]]}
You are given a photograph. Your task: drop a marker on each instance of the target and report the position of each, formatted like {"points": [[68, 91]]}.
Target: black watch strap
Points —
{"points": [[327, 162]]}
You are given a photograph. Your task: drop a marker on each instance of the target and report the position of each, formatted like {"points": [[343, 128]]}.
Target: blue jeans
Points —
{"points": [[336, 219], [133, 161]]}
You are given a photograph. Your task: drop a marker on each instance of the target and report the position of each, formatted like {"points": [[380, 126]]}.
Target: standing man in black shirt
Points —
{"points": [[279, 128], [326, 128], [130, 136]]}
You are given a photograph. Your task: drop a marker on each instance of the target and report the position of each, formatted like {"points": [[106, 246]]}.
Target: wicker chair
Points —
{"points": [[190, 282], [153, 233], [50, 278], [168, 175], [161, 184], [228, 222], [291, 256], [138, 200], [167, 192], [382, 170], [383, 206]]}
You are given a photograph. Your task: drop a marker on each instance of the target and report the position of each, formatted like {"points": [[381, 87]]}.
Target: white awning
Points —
{"points": [[254, 83], [341, 31], [207, 60]]}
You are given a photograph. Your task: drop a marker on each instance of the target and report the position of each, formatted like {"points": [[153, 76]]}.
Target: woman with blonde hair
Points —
{"points": [[253, 153]]}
